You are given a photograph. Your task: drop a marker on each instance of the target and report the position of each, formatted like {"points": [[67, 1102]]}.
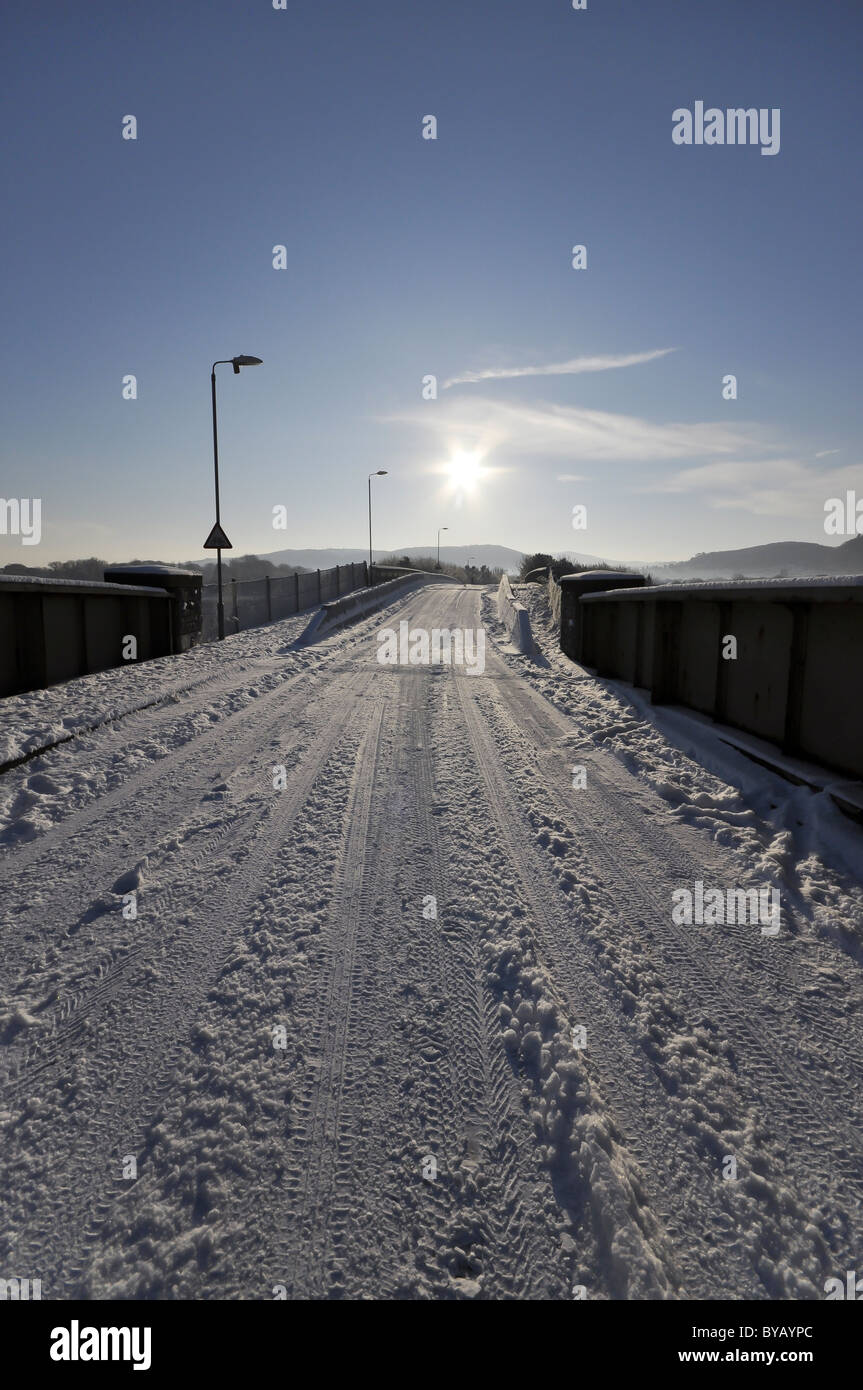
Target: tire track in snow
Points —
{"points": [[160, 907], [326, 658], [602, 803], [127, 1083], [358, 1213], [799, 1096], [583, 998], [493, 1219], [791, 1104], [516, 1263], [302, 1265], [209, 747]]}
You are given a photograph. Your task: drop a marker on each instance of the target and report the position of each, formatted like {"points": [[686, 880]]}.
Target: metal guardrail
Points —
{"points": [[253, 602]]}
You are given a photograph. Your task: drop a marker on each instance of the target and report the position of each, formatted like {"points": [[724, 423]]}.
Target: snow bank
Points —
{"points": [[554, 597], [514, 617], [790, 832], [578, 1140], [357, 604]]}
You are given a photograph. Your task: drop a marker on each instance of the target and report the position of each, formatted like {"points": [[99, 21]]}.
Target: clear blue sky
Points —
{"points": [[406, 257]]}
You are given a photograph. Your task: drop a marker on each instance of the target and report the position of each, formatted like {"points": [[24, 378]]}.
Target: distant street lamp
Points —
{"points": [[381, 473], [439, 529], [236, 363]]}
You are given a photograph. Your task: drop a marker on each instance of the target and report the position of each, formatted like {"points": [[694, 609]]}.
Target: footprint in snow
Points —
{"points": [[130, 881]]}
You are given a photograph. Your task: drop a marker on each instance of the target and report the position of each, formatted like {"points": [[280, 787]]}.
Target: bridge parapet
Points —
{"points": [[779, 659], [52, 630]]}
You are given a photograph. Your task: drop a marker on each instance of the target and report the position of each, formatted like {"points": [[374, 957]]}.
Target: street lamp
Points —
{"points": [[439, 529], [236, 363], [381, 473]]}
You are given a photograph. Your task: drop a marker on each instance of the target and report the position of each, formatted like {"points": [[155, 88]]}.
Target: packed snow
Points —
{"points": [[330, 978]]}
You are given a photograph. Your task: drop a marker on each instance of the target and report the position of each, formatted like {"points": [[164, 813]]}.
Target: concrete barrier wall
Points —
{"points": [[797, 677], [52, 630], [573, 587], [356, 605], [827, 698], [514, 617]]}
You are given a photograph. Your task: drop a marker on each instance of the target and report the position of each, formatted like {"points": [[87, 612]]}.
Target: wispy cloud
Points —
{"points": [[515, 430], [743, 466], [573, 367], [825, 453], [766, 487]]}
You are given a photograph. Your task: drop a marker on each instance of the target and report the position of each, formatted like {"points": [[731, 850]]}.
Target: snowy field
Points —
{"points": [[417, 1022]]}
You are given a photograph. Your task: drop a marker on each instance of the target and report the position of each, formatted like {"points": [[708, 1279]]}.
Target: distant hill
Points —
{"points": [[791, 558], [794, 558], [578, 557], [493, 556]]}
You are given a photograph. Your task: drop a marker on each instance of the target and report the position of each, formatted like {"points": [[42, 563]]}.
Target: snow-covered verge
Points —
{"points": [[514, 617], [136, 716], [41, 717], [794, 835], [743, 1033], [38, 719]]}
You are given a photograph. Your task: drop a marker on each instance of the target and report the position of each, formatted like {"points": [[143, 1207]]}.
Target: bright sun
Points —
{"points": [[464, 470]]}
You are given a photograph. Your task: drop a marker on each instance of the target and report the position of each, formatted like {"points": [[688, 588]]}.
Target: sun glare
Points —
{"points": [[464, 471]]}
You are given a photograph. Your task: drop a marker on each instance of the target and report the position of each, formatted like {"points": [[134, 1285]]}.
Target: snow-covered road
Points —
{"points": [[416, 1021]]}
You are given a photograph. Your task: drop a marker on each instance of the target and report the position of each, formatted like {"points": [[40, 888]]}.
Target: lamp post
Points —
{"points": [[236, 363], [439, 529], [381, 473]]}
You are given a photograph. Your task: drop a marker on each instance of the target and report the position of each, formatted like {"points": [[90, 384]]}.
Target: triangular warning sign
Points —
{"points": [[217, 540]]}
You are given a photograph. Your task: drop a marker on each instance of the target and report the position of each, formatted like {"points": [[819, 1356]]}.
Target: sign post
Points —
{"points": [[218, 541]]}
